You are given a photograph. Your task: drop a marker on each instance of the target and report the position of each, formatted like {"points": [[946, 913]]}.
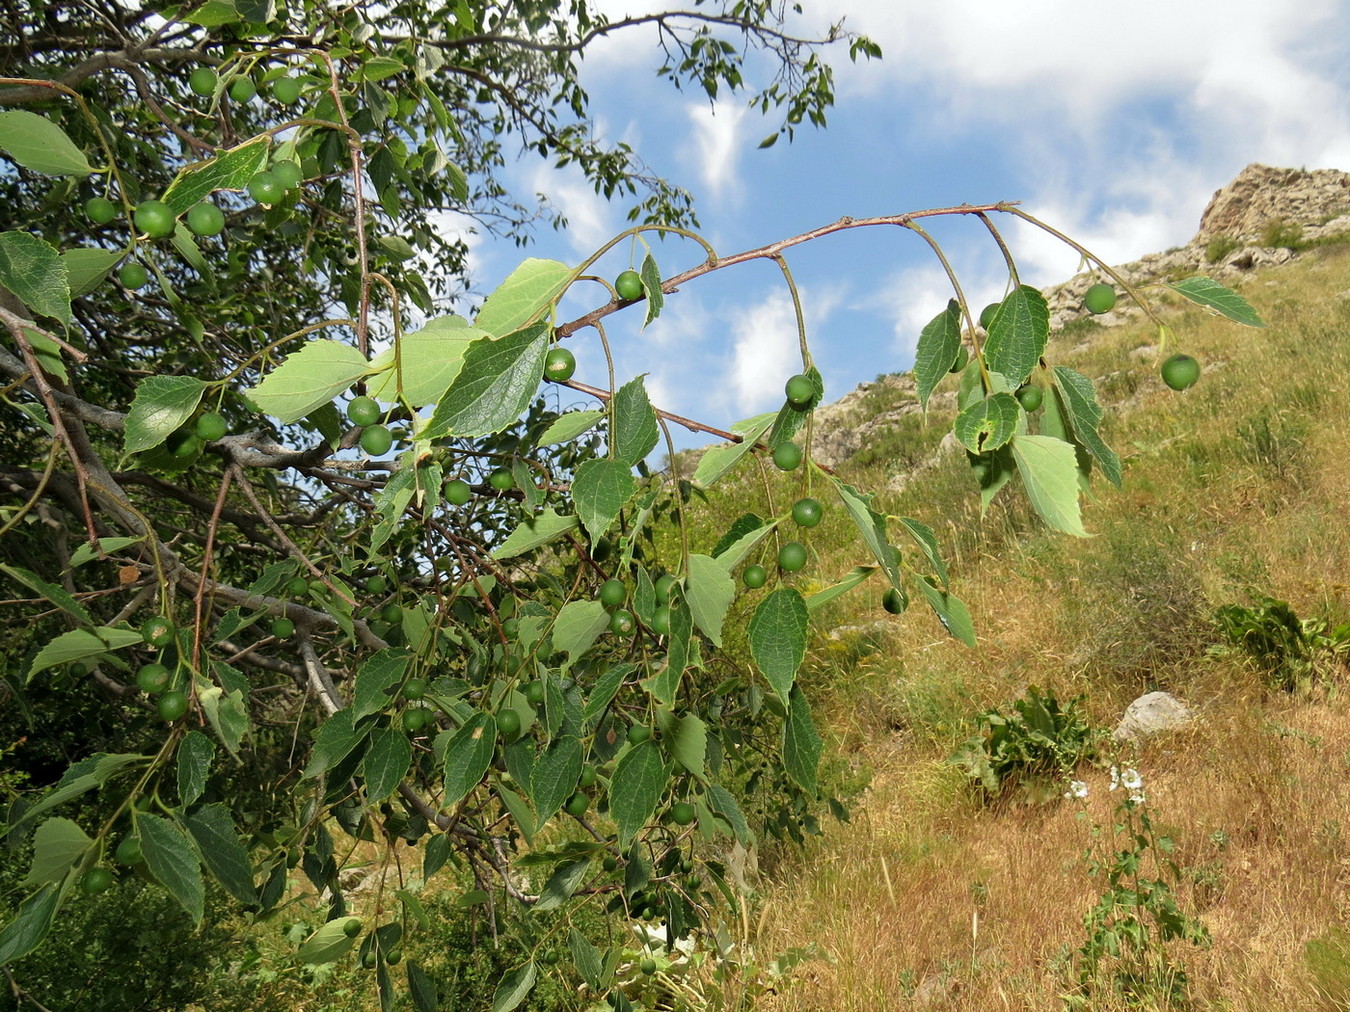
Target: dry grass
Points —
{"points": [[927, 900]]}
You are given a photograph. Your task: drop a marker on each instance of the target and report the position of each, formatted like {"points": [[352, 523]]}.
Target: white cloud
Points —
{"points": [[591, 220], [719, 139], [764, 341]]}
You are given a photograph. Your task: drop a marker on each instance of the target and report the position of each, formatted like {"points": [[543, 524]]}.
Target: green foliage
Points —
{"points": [[1219, 247], [1028, 747], [1328, 960], [1292, 653]]}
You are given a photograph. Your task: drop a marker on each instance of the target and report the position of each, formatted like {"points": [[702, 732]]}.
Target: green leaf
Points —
{"points": [[988, 424], [422, 989], [710, 590], [635, 431], [86, 268], [58, 845], [586, 958], [376, 675], [195, 753], [468, 756], [790, 420], [311, 377], [950, 610], [377, 68], [227, 713], [36, 274], [161, 405], [936, 353], [386, 763], [186, 245], [801, 743], [428, 361], [213, 828], [600, 489], [718, 461], [927, 541], [606, 686], [107, 546], [535, 531], [651, 284], [578, 625], [519, 811], [172, 862], [78, 644], [212, 14], [1212, 295], [1017, 334], [30, 925], [569, 426], [337, 738], [723, 802], [495, 386], [513, 988], [37, 143], [778, 638], [48, 354], [390, 504], [1084, 414], [855, 576], [731, 555], [229, 170], [524, 296], [872, 526], [687, 743], [58, 596], [78, 778], [555, 777], [563, 883], [679, 651], [328, 944], [636, 788], [1049, 470]]}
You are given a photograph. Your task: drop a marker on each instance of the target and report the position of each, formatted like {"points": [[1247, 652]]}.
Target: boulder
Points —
{"points": [[1150, 714]]}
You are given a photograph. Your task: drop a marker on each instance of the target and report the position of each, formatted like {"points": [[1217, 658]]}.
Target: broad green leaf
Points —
{"points": [[555, 777], [569, 426], [586, 958], [988, 424], [35, 273], [992, 472], [212, 14], [30, 925], [709, 590], [227, 713], [679, 652], [313, 376], [733, 554], [427, 362], [524, 296], [161, 405], [855, 576], [718, 461], [337, 738], [651, 284], [78, 644], [468, 756], [936, 353], [377, 68], [78, 778], [1049, 470], [58, 596], [1017, 334], [195, 753], [872, 526], [687, 743], [778, 638], [636, 788], [1084, 414], [950, 610], [229, 170], [172, 862], [746, 523], [1212, 295], [86, 268], [495, 386], [212, 827], [535, 531], [37, 143], [379, 673], [606, 686], [390, 503], [578, 625], [386, 763], [927, 541], [58, 845], [801, 743], [600, 489], [48, 354], [329, 943], [565, 881], [422, 989], [186, 245], [85, 553], [723, 802], [513, 988], [519, 810], [635, 431]]}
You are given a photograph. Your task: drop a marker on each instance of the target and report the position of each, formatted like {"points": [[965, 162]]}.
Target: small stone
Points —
{"points": [[1150, 714]]}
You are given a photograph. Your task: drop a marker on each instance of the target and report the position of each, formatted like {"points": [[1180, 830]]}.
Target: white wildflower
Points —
{"points": [[1077, 789], [1130, 780]]}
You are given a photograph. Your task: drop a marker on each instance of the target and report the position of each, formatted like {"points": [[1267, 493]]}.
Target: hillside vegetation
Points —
{"points": [[1235, 493]]}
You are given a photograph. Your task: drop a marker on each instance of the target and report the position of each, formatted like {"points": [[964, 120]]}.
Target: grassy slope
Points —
{"points": [[1239, 484]]}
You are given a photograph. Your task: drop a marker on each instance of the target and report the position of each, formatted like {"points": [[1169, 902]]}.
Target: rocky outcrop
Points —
{"points": [[1150, 714], [1261, 196]]}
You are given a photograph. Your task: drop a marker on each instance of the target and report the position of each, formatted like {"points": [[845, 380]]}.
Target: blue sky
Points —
{"points": [[1114, 122]]}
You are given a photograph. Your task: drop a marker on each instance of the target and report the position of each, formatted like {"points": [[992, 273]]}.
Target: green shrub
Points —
{"points": [[1219, 247], [1280, 234], [1292, 653]]}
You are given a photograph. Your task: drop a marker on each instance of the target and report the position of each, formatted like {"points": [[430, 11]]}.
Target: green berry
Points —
{"points": [[297, 586], [155, 218], [133, 276], [100, 210], [502, 479], [511, 628], [559, 365], [157, 631], [457, 491], [962, 357], [1030, 397], [792, 557], [283, 628], [754, 576], [414, 688], [376, 584], [363, 411], [288, 173], [1180, 372], [210, 426], [807, 512], [266, 188], [286, 89], [172, 705], [153, 678], [376, 440], [392, 613], [415, 720], [682, 813], [352, 927], [1100, 298], [661, 620], [787, 457], [629, 285], [800, 391], [203, 82], [648, 966], [242, 88], [621, 623], [577, 804], [893, 601], [183, 443], [587, 776], [534, 692], [610, 863], [205, 219], [129, 851], [96, 880], [987, 314], [664, 587], [639, 733], [508, 725], [613, 593]]}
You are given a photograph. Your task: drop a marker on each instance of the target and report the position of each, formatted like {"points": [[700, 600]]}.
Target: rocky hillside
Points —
{"points": [[1265, 216]]}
